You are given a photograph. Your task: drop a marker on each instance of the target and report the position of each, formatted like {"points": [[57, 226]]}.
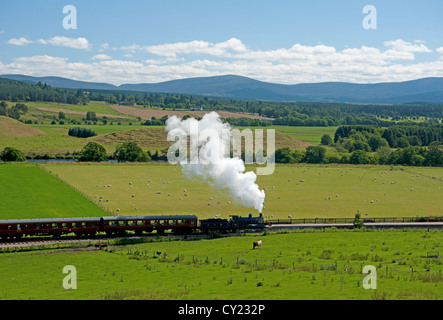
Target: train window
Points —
{"points": [[172, 222], [9, 227], [64, 225], [54, 226], [179, 222], [84, 224], [122, 223], [74, 224], [112, 223], [131, 223], [37, 226], [161, 222], [154, 222], [140, 222]]}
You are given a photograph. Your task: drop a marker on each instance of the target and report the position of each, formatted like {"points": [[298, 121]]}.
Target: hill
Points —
{"points": [[426, 90], [12, 127]]}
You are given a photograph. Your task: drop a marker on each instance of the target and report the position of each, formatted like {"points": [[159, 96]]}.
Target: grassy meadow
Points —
{"points": [[41, 137], [294, 265], [27, 191], [302, 191], [310, 265]]}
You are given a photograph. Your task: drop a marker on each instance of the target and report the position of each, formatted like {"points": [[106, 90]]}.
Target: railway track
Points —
{"points": [[102, 238], [45, 241], [373, 225]]}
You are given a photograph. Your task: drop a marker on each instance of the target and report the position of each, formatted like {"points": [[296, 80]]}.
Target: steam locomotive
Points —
{"points": [[120, 225]]}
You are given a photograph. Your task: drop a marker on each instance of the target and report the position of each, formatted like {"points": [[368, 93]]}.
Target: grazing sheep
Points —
{"points": [[256, 244]]}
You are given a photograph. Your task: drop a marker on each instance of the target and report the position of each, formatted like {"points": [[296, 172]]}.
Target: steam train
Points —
{"points": [[120, 225]]}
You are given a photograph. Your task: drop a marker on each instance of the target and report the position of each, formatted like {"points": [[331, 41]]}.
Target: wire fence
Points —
{"points": [[351, 220]]}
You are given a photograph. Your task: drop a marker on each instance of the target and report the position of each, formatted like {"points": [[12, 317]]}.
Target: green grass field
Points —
{"points": [[27, 191], [310, 135], [302, 191], [303, 265]]}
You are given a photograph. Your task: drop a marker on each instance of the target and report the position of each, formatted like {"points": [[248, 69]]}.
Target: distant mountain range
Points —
{"points": [[426, 90]]}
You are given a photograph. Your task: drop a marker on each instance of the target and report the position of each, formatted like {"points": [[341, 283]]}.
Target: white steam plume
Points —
{"points": [[209, 158]]}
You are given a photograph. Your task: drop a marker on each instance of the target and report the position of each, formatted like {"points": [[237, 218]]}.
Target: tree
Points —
{"points": [[359, 157], [130, 151], [81, 132], [376, 142], [434, 156], [284, 155], [326, 140], [358, 221], [13, 113], [315, 154], [91, 116], [12, 154], [3, 107], [61, 115], [93, 151]]}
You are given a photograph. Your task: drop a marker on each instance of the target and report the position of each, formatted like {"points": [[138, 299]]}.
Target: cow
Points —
{"points": [[256, 244]]}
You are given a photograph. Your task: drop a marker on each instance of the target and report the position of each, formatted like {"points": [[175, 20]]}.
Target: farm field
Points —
{"points": [[302, 191], [320, 265], [311, 135], [27, 191], [147, 114], [53, 139]]}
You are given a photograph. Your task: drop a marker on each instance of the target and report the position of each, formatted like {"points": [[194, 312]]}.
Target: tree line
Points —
{"points": [[283, 113], [410, 156]]}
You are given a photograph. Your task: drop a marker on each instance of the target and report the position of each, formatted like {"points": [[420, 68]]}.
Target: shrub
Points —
{"points": [[12, 154], [93, 151], [81, 132], [130, 151]]}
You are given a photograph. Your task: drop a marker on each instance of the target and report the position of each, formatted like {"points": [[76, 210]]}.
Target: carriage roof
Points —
{"points": [[49, 220], [159, 217], [96, 219]]}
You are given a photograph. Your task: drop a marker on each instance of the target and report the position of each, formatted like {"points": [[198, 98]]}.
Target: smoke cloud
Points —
{"points": [[209, 159]]}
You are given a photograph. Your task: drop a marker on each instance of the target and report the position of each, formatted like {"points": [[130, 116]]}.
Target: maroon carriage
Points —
{"points": [[181, 224], [17, 228]]}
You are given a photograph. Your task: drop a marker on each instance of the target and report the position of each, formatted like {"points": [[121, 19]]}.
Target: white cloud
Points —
{"points": [[101, 57], [19, 41], [197, 46], [401, 45], [62, 41], [394, 61]]}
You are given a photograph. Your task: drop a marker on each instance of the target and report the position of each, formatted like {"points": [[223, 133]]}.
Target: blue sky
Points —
{"points": [[276, 41]]}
